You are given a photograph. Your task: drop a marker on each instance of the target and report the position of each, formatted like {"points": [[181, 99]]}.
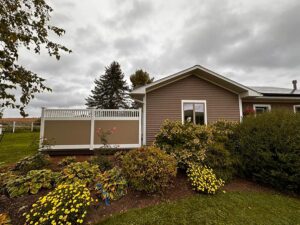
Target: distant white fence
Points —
{"points": [[19, 126], [77, 128]]}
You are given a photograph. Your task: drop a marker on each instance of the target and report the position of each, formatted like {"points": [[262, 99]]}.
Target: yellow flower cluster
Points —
{"points": [[65, 205], [203, 179]]}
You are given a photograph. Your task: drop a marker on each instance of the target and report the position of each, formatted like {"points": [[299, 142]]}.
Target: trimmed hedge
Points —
{"points": [[269, 149]]}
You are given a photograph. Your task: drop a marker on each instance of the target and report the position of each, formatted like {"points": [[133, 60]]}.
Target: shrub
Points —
{"points": [[79, 171], [67, 161], [219, 155], [203, 179], [270, 149], [5, 219], [101, 161], [186, 142], [35, 162], [4, 178], [111, 184], [66, 204], [148, 169], [31, 183]]}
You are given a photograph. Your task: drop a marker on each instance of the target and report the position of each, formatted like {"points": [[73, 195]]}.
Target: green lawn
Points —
{"points": [[14, 147], [229, 209]]}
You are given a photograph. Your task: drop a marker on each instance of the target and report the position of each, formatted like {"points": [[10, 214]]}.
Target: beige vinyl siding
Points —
{"points": [[165, 103], [274, 105]]}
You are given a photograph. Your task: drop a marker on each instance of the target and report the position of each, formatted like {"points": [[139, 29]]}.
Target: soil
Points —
{"points": [[133, 199], [181, 188], [15, 207], [246, 185]]}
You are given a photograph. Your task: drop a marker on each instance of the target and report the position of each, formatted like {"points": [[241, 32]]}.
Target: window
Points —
{"points": [[194, 111], [261, 108], [297, 108]]}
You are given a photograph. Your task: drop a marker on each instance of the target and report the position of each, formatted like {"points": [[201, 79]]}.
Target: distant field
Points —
{"points": [[14, 147]]}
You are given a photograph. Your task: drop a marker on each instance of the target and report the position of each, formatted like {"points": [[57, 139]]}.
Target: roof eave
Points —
{"points": [[247, 91]]}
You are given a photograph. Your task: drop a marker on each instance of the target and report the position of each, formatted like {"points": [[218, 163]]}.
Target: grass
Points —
{"points": [[232, 208], [15, 146]]}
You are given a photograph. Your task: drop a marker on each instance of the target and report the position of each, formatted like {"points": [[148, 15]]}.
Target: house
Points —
{"points": [[195, 94], [203, 96]]}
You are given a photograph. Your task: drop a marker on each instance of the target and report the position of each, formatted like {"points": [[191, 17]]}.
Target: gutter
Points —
{"points": [[137, 100]]}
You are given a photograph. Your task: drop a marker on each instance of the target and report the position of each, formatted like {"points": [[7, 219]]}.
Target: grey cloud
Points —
{"points": [[131, 45], [276, 45], [251, 42], [60, 18], [95, 69], [135, 15]]}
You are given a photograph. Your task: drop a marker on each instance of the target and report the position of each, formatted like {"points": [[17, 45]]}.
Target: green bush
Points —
{"points": [[148, 169], [101, 161], [186, 142], [66, 204], [4, 178], [67, 161], [31, 183], [79, 171], [269, 149], [203, 179], [35, 162], [219, 155], [111, 184]]}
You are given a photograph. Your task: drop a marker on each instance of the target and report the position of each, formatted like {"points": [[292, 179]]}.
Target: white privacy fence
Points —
{"points": [[79, 128]]}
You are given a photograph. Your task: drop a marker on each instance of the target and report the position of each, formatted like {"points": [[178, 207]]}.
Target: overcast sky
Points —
{"points": [[254, 42]]}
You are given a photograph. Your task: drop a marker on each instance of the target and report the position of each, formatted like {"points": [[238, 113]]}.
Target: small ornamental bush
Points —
{"points": [[186, 142], [31, 183], [79, 171], [102, 162], [4, 178], [67, 161], [35, 162], [148, 169], [269, 149], [67, 204], [203, 179], [111, 184]]}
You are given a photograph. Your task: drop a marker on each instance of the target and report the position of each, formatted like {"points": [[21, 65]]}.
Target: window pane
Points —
{"points": [[261, 109], [199, 113], [188, 112]]}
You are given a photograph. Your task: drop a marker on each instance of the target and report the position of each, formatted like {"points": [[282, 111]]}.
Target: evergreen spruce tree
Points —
{"points": [[111, 90]]}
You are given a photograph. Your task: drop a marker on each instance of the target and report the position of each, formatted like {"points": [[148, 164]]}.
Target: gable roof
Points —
{"points": [[203, 73]]}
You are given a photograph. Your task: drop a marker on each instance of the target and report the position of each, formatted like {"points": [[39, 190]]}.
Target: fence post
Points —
{"points": [[92, 128], [14, 126], [42, 127], [31, 126], [140, 127], [0, 128]]}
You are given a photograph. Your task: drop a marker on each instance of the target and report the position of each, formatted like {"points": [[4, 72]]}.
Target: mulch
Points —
{"points": [[180, 189], [134, 199]]}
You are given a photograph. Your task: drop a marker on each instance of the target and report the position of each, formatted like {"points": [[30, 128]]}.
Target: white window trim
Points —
{"points": [[262, 105], [194, 101], [296, 106]]}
